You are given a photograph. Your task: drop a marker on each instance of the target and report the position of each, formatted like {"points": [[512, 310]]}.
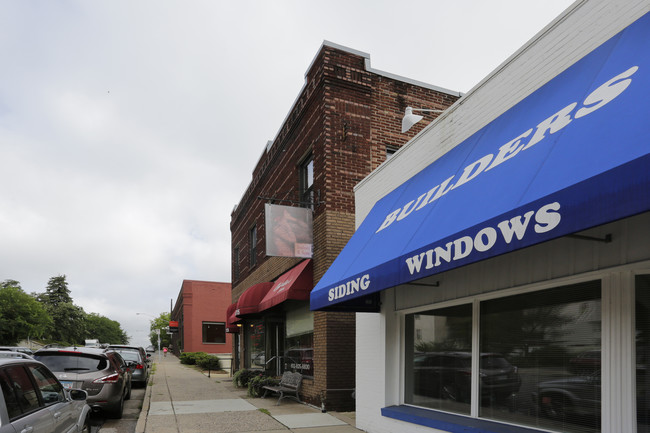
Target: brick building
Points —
{"points": [[344, 123], [200, 311]]}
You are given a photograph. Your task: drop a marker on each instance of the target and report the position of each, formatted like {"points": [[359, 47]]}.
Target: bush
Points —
{"points": [[208, 362], [241, 378], [190, 358], [256, 384]]}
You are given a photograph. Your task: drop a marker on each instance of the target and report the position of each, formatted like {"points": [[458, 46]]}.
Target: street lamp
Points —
{"points": [[157, 331]]}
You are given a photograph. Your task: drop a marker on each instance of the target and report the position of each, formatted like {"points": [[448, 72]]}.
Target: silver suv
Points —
{"points": [[103, 374], [32, 399]]}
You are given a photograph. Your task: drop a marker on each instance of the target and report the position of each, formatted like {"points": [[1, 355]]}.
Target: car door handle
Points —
{"points": [[29, 429], [57, 415]]}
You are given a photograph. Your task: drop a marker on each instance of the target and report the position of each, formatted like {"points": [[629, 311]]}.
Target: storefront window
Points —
{"points": [[299, 341], [214, 332], [255, 344], [642, 352], [540, 358], [439, 359]]}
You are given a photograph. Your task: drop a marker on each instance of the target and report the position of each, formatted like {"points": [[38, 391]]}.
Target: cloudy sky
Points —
{"points": [[129, 129]]}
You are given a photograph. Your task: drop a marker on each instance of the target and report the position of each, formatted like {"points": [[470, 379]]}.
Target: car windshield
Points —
{"points": [[57, 361]]}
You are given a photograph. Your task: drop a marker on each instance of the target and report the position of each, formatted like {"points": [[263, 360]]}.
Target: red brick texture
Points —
{"points": [[345, 117]]}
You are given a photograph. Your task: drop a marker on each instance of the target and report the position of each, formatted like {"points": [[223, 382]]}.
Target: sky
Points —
{"points": [[129, 129]]}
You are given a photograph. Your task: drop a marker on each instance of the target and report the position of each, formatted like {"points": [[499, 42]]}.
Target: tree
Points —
{"points": [[161, 322], [21, 315], [69, 319], [105, 329]]}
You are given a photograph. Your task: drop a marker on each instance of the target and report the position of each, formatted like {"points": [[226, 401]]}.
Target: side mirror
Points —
{"points": [[78, 394]]}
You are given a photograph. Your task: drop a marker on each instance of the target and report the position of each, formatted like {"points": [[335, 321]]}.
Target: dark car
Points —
{"points": [[447, 375], [102, 373], [572, 397], [121, 347], [32, 399], [139, 365]]}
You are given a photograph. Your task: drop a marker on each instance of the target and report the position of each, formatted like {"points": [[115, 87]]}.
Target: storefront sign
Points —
{"points": [[573, 155]]}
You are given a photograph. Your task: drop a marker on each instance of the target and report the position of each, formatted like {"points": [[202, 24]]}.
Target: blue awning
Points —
{"points": [[573, 155]]}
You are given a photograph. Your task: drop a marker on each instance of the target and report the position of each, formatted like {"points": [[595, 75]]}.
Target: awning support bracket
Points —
{"points": [[607, 239]]}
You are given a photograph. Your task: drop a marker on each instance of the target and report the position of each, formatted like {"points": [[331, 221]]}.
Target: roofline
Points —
{"points": [[368, 68]]}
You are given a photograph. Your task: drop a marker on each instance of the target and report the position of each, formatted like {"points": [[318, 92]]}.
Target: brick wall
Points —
{"points": [[345, 117]]}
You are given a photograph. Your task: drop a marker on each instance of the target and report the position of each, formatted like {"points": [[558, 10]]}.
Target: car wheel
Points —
{"points": [[117, 412], [555, 406], [86, 427]]}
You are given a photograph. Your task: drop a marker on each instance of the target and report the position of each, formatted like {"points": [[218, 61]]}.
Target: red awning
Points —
{"points": [[231, 319], [249, 301], [295, 284]]}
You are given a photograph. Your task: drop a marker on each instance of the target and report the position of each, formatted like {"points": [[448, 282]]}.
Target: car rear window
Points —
{"points": [[79, 362], [129, 355]]}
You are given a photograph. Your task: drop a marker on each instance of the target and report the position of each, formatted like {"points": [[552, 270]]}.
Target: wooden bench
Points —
{"points": [[289, 384]]}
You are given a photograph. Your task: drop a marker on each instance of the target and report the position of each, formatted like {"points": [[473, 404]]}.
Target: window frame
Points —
{"points": [[306, 181], [252, 246], [618, 361], [203, 334]]}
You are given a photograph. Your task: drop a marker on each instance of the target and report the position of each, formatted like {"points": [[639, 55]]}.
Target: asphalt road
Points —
{"points": [[132, 408]]}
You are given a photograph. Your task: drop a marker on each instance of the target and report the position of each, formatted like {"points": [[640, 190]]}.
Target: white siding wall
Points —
{"points": [[584, 26]]}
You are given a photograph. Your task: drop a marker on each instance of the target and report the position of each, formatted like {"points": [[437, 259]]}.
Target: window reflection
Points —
{"points": [[439, 360], [553, 337], [539, 360]]}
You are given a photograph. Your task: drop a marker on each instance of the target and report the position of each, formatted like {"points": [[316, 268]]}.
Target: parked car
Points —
{"points": [[21, 349], [140, 366], [447, 375], [122, 347], [102, 373], [150, 349], [570, 398], [32, 399]]}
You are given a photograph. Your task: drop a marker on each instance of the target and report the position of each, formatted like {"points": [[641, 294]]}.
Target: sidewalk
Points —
{"points": [[183, 400]]}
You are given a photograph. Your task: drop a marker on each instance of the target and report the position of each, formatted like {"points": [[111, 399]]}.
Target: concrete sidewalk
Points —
{"points": [[184, 400]]}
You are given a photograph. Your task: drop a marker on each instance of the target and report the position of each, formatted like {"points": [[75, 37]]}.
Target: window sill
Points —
{"points": [[450, 422]]}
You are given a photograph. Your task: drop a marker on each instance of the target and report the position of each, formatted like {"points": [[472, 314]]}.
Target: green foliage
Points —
{"points": [[208, 362], [105, 329], [257, 382], [242, 377], [189, 358], [161, 322], [235, 378], [51, 317], [22, 316], [69, 320], [201, 359]]}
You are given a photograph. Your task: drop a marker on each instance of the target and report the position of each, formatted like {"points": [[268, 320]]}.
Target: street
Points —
{"points": [[127, 424]]}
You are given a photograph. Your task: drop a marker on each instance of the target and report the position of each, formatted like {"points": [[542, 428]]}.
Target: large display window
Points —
{"points": [[531, 359], [299, 340], [255, 347]]}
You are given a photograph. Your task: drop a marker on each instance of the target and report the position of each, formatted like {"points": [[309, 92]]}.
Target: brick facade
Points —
{"points": [[198, 302], [344, 118]]}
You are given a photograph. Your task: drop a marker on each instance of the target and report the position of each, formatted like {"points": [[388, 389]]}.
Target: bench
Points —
{"points": [[289, 384]]}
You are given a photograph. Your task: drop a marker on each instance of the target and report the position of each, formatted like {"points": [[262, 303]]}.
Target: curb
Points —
{"points": [[142, 419]]}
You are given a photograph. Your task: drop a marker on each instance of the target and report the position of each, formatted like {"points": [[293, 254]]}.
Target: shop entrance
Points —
{"points": [[275, 346]]}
